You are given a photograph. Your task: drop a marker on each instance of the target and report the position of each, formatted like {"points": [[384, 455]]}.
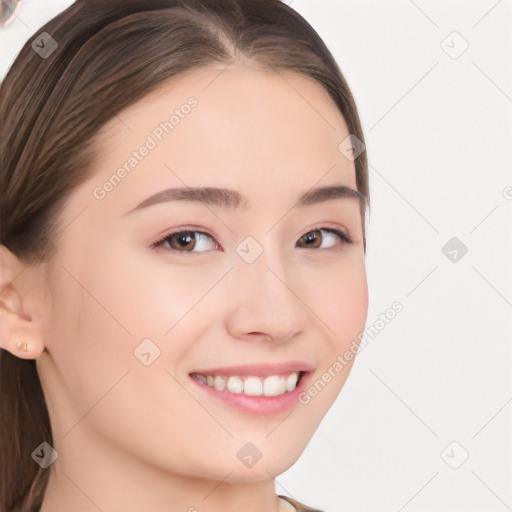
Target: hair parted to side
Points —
{"points": [[110, 54]]}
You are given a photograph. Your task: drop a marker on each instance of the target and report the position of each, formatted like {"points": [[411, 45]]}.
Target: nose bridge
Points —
{"points": [[261, 297]]}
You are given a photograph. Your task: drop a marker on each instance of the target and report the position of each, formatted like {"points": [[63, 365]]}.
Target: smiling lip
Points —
{"points": [[258, 405], [260, 370]]}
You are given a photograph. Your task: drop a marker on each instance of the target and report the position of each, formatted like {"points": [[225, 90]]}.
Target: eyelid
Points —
{"points": [[327, 225]]}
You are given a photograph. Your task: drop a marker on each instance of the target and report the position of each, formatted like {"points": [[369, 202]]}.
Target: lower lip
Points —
{"points": [[257, 405]]}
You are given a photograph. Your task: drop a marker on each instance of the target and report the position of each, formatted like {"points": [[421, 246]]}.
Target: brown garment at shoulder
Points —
{"points": [[299, 506]]}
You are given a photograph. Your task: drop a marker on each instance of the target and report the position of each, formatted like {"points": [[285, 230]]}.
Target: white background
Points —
{"points": [[439, 141]]}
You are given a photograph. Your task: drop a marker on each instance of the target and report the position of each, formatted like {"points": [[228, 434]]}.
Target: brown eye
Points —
{"points": [[181, 240], [313, 239], [186, 241]]}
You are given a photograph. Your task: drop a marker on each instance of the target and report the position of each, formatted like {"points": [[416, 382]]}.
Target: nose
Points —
{"points": [[261, 301]]}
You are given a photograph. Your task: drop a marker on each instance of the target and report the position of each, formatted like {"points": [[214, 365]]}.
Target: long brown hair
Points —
{"points": [[106, 55]]}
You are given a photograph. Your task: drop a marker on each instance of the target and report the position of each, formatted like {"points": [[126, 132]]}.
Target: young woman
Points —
{"points": [[183, 255]]}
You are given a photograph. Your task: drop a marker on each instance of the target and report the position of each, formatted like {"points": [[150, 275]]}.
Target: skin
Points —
{"points": [[132, 437]]}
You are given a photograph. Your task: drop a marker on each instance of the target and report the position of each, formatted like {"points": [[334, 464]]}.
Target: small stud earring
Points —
{"points": [[21, 345]]}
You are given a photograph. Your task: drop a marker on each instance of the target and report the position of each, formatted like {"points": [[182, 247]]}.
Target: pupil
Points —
{"points": [[184, 239], [311, 237]]}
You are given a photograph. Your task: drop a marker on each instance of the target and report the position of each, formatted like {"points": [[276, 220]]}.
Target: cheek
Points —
{"points": [[342, 306], [152, 292], [101, 310], [340, 299]]}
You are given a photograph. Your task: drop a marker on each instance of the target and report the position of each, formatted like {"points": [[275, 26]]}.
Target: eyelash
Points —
{"points": [[344, 237]]}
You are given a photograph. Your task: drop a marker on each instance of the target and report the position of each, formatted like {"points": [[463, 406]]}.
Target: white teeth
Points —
{"points": [[291, 381], [219, 383], [272, 385], [253, 386], [235, 385]]}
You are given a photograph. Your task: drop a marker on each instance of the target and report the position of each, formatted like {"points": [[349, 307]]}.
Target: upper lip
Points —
{"points": [[258, 370]]}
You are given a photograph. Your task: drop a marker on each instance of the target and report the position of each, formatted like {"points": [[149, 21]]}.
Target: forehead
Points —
{"points": [[237, 90], [251, 128]]}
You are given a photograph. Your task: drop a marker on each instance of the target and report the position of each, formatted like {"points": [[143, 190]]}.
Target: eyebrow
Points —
{"points": [[232, 199]]}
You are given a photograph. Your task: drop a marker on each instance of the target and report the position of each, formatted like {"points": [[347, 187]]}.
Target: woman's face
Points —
{"points": [[255, 282]]}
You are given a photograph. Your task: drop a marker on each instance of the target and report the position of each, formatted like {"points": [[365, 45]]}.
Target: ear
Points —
{"points": [[20, 325]]}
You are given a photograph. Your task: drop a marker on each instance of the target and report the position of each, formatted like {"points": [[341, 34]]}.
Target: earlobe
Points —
{"points": [[19, 334], [22, 349], [22, 346]]}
